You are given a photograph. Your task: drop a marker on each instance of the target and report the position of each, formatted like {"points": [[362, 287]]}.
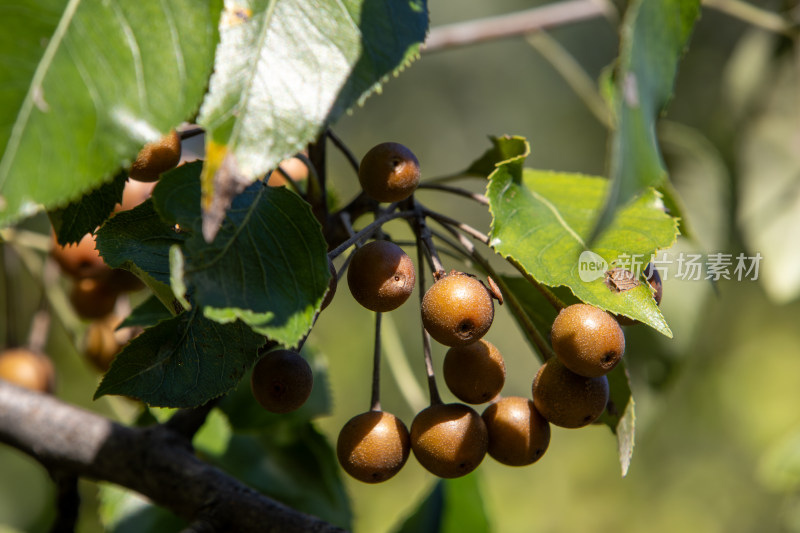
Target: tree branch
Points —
{"points": [[154, 461], [514, 24]]}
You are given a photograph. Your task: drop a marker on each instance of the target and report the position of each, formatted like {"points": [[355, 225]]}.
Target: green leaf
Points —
{"points": [[138, 240], [84, 216], [284, 70], [267, 265], [541, 220], [619, 414], [147, 313], [452, 506], [503, 149], [87, 85], [182, 362], [294, 464], [245, 413], [654, 35]]}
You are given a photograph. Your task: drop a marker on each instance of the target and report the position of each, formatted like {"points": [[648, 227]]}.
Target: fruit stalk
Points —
{"points": [[433, 391]]}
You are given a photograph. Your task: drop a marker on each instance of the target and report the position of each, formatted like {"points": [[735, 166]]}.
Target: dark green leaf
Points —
{"points": [[138, 240], [267, 265], [77, 219], [87, 85], [182, 362], [147, 313], [294, 464], [452, 506], [654, 35], [286, 69], [427, 517], [245, 413], [541, 220]]}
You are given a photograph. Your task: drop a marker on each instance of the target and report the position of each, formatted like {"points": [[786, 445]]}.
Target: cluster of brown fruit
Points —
{"points": [[95, 286], [449, 440]]}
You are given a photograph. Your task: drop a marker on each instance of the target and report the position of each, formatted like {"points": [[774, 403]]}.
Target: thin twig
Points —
{"points": [[514, 24], [375, 402], [339, 143], [480, 198], [424, 235], [466, 228], [754, 15], [433, 390], [369, 230], [187, 422], [188, 133], [289, 181]]}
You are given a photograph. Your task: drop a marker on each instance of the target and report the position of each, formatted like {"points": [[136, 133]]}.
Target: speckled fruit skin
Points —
{"points": [[518, 434], [27, 369], [373, 446], [381, 276], [389, 172], [457, 310], [566, 399], [475, 373], [281, 381], [157, 157], [449, 440], [587, 340]]}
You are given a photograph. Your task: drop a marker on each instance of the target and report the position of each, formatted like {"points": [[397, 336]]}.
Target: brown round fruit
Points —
{"points": [[157, 157], [389, 172], [518, 434], [381, 276], [587, 340], [80, 260], [28, 369], [457, 310], [373, 446], [654, 279], [281, 381], [93, 298], [474, 373], [566, 399], [294, 167], [103, 341], [449, 440], [134, 194]]}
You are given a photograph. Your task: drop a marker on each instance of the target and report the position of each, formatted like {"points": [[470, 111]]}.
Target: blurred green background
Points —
{"points": [[718, 406]]}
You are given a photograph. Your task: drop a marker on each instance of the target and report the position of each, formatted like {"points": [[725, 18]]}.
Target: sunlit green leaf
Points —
{"points": [[182, 362], [286, 69], [87, 85], [542, 220], [654, 35]]}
